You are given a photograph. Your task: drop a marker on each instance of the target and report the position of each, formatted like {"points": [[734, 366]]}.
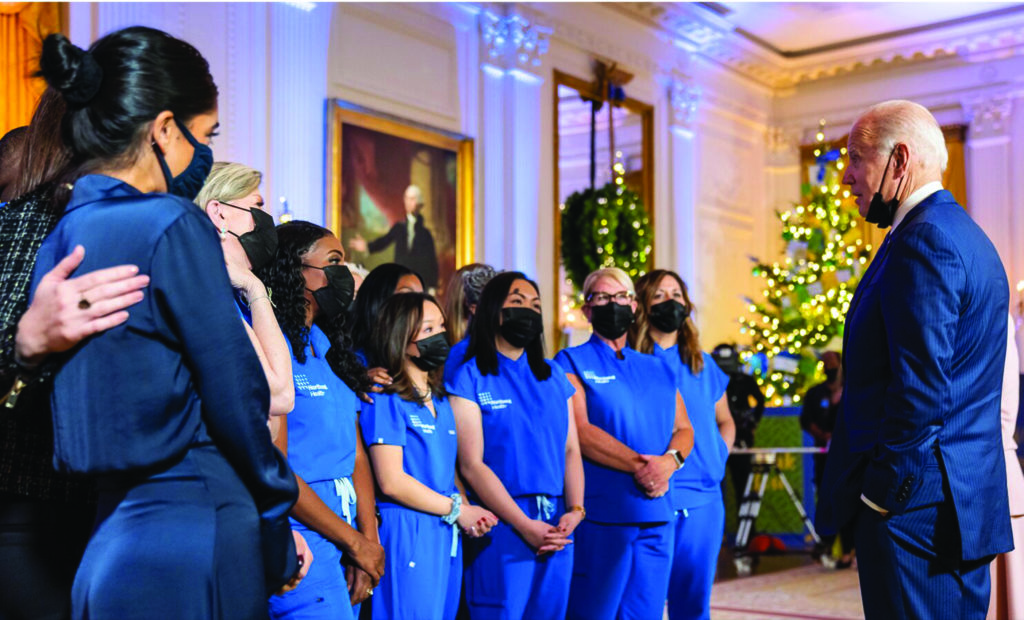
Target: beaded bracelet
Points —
{"points": [[456, 510]]}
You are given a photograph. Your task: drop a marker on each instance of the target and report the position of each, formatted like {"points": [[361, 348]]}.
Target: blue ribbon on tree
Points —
{"points": [[823, 159]]}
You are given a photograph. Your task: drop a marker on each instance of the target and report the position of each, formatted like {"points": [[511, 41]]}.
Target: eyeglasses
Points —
{"points": [[601, 299]]}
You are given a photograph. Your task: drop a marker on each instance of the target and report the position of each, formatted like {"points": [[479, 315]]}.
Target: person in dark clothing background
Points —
{"points": [[414, 245], [822, 404], [746, 404]]}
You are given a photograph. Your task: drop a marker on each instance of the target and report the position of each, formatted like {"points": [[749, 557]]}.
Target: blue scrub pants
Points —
{"points": [[323, 593], [505, 580], [698, 535], [423, 578], [621, 572], [182, 542]]}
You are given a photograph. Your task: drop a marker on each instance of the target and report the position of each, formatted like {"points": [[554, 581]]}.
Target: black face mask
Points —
{"points": [[260, 243], [335, 297], [520, 326], [668, 316], [433, 352], [611, 320], [831, 374], [191, 180], [882, 212]]}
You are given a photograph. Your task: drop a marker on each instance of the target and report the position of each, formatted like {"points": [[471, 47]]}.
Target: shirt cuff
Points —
{"points": [[873, 506]]}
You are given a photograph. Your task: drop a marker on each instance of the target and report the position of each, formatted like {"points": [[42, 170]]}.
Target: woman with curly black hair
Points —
{"points": [[312, 289]]}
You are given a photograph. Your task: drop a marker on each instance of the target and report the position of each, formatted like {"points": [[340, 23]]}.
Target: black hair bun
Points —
{"points": [[70, 69]]}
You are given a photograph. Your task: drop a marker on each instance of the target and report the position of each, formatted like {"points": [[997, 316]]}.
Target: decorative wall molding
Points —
{"points": [[684, 97], [988, 116], [714, 38], [512, 39], [782, 144]]}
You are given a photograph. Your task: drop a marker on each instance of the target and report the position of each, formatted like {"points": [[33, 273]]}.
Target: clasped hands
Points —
{"points": [[653, 473]]}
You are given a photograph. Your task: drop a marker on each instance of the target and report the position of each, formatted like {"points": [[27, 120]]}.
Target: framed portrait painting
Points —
{"points": [[399, 192]]}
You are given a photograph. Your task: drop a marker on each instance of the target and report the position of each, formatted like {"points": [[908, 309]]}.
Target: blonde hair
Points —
{"points": [[612, 273], [228, 181]]}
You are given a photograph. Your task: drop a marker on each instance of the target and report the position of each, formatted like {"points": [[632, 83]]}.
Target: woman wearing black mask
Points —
{"points": [[634, 434], [312, 288], [410, 431], [519, 453], [665, 329], [232, 200], [166, 410]]}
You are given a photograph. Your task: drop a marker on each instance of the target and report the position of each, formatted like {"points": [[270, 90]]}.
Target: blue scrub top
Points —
{"points": [[456, 358], [525, 423], [697, 483], [429, 445], [322, 426], [634, 400]]}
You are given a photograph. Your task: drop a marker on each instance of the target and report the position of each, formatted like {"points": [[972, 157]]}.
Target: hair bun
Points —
{"points": [[70, 69]]}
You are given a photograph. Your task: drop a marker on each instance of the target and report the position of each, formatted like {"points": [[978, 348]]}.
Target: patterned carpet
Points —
{"points": [[808, 592]]}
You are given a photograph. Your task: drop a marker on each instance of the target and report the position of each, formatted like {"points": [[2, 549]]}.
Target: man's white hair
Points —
{"points": [[417, 191], [889, 123]]}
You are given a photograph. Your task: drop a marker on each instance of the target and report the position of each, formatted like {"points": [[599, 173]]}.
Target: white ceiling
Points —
{"points": [[801, 28]]}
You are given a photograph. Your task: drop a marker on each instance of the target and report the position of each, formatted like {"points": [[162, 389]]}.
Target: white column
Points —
{"points": [[297, 88], [491, 149], [510, 121], [682, 171], [990, 171], [523, 136]]}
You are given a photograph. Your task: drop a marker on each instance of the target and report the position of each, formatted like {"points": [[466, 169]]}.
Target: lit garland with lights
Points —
{"points": [[606, 227], [807, 294]]}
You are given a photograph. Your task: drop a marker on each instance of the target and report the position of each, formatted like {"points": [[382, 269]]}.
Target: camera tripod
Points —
{"points": [[763, 466]]}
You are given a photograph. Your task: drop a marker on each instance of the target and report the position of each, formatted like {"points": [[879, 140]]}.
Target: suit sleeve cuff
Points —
{"points": [[873, 506]]}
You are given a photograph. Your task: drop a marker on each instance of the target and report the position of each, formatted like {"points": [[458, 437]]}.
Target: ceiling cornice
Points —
{"points": [[707, 34]]}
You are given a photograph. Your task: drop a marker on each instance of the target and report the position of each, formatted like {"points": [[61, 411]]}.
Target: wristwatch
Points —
{"points": [[678, 458]]}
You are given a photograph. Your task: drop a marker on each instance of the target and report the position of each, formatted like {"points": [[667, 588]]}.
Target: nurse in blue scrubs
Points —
{"points": [[166, 411], [380, 284], [321, 435], [634, 434], [519, 453], [664, 328], [411, 437], [461, 298]]}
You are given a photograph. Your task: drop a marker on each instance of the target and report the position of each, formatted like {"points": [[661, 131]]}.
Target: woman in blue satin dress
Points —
{"points": [[167, 411]]}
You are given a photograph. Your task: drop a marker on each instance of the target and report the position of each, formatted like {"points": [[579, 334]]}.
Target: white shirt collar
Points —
{"points": [[913, 200], [409, 217]]}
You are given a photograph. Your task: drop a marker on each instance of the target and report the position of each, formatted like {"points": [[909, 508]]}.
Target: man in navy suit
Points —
{"points": [[915, 455]]}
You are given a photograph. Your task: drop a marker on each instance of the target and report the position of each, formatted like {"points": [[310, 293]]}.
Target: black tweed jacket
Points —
{"points": [[26, 433]]}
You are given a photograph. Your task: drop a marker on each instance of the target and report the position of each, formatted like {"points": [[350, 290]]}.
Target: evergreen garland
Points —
{"points": [[606, 227]]}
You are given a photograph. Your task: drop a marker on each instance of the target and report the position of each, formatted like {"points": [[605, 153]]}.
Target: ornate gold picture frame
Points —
{"points": [[372, 161]]}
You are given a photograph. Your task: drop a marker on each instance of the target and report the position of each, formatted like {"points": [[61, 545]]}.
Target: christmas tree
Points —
{"points": [[807, 293]]}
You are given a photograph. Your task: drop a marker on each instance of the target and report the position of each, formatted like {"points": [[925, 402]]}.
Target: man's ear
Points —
{"points": [[901, 160]]}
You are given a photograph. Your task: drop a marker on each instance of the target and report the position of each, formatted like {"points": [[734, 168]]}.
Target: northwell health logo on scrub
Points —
{"points": [[428, 429], [486, 400], [590, 376], [315, 390]]}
